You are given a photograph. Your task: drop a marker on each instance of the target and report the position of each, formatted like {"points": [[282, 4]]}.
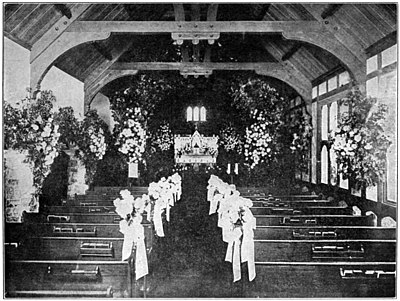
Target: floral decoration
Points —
{"points": [[131, 137], [231, 140], [359, 140], [31, 126], [91, 142], [300, 128], [261, 140], [162, 139]]}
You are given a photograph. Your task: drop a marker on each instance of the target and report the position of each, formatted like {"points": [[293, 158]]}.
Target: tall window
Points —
{"points": [[382, 84], [196, 114], [202, 114], [189, 114]]}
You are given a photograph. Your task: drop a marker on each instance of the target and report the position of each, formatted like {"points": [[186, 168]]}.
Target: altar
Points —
{"points": [[195, 149]]}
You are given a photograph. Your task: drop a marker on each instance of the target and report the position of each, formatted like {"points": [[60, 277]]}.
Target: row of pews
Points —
{"points": [[306, 246], [73, 250]]}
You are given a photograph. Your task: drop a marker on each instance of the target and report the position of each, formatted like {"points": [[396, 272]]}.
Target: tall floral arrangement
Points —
{"points": [[131, 137], [261, 140], [92, 142], [300, 129], [359, 140], [264, 109], [30, 126], [162, 139]]}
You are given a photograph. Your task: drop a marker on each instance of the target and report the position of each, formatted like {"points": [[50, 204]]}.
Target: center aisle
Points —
{"points": [[191, 255]]}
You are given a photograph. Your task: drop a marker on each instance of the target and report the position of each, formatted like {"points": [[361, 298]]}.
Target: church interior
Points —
{"points": [[199, 150]]}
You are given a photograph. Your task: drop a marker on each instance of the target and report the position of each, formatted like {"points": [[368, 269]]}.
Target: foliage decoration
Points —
{"points": [[359, 140], [300, 128], [30, 126], [69, 126]]}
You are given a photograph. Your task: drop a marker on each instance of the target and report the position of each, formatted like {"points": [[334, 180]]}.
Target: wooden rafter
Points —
{"points": [[102, 50], [291, 51], [330, 10], [153, 27], [56, 31], [62, 8]]}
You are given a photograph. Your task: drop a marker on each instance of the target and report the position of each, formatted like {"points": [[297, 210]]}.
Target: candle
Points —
{"points": [[228, 170], [236, 168]]}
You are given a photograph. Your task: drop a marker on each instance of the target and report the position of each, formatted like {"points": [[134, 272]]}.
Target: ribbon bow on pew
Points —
{"points": [[237, 223]]}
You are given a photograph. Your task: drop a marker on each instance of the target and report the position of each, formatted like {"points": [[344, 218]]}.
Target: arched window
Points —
{"points": [[324, 123], [333, 112], [189, 114], [196, 114], [324, 165], [202, 114]]}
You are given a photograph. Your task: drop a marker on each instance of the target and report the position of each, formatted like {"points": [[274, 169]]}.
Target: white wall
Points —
{"points": [[101, 103], [67, 90], [16, 71]]}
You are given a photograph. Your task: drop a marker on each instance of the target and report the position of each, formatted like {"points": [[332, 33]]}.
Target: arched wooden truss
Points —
{"points": [[312, 32]]}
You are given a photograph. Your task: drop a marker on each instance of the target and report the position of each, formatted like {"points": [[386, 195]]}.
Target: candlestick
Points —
{"points": [[236, 168], [228, 170]]}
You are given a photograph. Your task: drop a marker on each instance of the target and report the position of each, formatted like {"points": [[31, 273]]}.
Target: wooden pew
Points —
{"points": [[294, 203], [325, 249], [324, 232], [301, 211], [322, 280], [34, 278], [317, 220], [79, 209]]}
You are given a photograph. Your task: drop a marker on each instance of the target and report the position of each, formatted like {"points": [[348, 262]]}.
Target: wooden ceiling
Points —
{"points": [[363, 24]]}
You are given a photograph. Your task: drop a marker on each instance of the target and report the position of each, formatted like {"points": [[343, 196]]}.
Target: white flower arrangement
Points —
{"points": [[260, 141], [97, 144], [132, 138], [231, 140], [163, 138]]}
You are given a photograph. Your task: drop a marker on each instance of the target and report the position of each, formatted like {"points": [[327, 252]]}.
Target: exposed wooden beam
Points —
{"points": [[66, 41], [62, 8], [17, 40], [193, 66], [152, 27], [291, 51], [330, 10], [116, 53], [102, 50], [179, 12], [105, 78], [263, 11], [56, 31], [212, 11]]}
